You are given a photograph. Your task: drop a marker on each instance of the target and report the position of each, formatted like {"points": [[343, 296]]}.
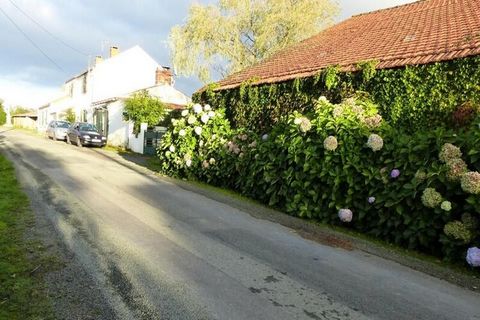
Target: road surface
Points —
{"points": [[161, 252]]}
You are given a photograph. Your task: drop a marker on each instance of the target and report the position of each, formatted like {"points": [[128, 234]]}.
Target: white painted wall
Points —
{"points": [[169, 94], [135, 143], [118, 129], [126, 72]]}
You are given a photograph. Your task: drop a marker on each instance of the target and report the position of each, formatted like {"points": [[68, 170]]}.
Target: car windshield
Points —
{"points": [[87, 127], [63, 124]]}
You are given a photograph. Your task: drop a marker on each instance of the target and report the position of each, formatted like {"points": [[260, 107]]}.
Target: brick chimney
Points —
{"points": [[163, 76], [98, 59], [114, 51]]}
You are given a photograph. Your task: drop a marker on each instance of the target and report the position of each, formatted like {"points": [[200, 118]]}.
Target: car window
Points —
{"points": [[63, 124], [87, 127]]}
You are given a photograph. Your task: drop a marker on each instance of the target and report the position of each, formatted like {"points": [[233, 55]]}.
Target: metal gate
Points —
{"points": [[152, 140]]}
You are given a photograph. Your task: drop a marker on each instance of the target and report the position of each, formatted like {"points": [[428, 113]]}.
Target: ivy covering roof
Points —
{"points": [[417, 33]]}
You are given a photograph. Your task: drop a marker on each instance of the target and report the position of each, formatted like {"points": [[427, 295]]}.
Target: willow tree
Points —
{"points": [[234, 34]]}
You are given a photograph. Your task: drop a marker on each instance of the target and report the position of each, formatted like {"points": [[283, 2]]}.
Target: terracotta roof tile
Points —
{"points": [[417, 33]]}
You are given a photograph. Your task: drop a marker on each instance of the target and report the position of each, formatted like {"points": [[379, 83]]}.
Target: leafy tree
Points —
{"points": [[70, 115], [3, 115], [143, 108], [235, 34]]}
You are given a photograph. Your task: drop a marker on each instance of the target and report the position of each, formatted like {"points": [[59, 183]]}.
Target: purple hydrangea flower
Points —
{"points": [[395, 173], [371, 200], [345, 215], [473, 257]]}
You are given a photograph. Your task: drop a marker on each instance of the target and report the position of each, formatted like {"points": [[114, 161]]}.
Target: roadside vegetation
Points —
{"points": [[22, 260], [343, 164]]}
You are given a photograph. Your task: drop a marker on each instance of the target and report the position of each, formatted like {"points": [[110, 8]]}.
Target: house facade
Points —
{"points": [[97, 94]]}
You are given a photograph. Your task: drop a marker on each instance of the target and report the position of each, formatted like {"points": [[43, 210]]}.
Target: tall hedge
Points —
{"points": [[412, 97], [343, 164]]}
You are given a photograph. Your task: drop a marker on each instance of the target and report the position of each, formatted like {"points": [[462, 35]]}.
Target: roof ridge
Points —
{"points": [[415, 3]]}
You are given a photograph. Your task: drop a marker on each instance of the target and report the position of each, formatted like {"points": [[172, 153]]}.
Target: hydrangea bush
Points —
{"points": [[342, 164]]}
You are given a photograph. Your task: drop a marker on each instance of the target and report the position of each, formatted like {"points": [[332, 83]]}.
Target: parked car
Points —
{"points": [[82, 133], [57, 130]]}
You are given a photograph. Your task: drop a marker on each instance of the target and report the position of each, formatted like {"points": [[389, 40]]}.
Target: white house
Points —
{"points": [[97, 95]]}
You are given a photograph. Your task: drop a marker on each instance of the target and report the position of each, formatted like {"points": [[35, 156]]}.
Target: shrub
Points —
{"points": [[342, 164], [143, 108]]}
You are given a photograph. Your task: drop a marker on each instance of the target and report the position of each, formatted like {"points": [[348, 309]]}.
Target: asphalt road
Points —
{"points": [[161, 252]]}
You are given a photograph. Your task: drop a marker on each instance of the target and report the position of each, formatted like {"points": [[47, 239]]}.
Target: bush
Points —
{"points": [[417, 190], [412, 97]]}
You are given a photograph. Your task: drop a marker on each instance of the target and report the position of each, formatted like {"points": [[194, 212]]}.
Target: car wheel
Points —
{"points": [[68, 140], [79, 142]]}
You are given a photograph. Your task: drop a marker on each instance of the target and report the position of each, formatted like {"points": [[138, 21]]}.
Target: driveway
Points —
{"points": [[162, 252]]}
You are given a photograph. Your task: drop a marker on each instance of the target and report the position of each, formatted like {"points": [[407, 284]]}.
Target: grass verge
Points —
{"points": [[22, 260]]}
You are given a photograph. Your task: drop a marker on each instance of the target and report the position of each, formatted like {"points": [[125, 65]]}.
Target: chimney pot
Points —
{"points": [[114, 51], [163, 76], [98, 59]]}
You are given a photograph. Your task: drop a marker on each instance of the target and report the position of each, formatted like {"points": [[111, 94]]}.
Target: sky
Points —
{"points": [[69, 33]]}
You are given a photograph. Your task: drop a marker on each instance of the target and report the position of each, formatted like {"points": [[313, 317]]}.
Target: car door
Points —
{"points": [[50, 129], [71, 132]]}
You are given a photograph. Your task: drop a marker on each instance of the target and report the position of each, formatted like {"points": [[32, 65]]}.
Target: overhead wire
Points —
{"points": [[46, 30], [31, 41]]}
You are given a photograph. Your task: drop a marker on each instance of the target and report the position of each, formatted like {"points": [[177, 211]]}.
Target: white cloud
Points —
{"points": [[353, 7], [26, 77], [17, 92]]}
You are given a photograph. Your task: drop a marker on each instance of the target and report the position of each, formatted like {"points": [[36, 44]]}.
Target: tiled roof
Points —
{"points": [[417, 33]]}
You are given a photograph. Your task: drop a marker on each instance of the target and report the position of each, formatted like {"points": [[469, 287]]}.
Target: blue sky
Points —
{"points": [[29, 78]]}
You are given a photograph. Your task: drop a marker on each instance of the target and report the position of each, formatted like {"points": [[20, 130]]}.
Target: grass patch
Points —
{"points": [[22, 262]]}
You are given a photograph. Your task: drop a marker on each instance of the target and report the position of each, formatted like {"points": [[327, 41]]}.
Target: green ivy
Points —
{"points": [[295, 170], [411, 98]]}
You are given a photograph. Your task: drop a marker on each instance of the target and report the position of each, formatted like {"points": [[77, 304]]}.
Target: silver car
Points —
{"points": [[57, 130]]}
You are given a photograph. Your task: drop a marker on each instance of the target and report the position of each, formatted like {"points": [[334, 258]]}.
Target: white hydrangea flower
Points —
{"points": [[345, 215], [181, 132], [265, 137], [172, 148], [207, 107], [305, 124], [211, 114], [191, 119], [205, 164], [198, 130], [188, 160], [470, 182], [204, 118], [446, 205], [323, 99], [184, 113], [211, 161], [330, 143], [297, 121], [201, 143], [337, 111], [375, 142], [197, 108]]}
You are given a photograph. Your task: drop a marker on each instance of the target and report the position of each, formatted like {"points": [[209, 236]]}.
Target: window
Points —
{"points": [[84, 84]]}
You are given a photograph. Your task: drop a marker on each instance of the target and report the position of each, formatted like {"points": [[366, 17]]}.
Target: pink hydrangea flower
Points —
{"points": [[473, 257], [395, 173]]}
